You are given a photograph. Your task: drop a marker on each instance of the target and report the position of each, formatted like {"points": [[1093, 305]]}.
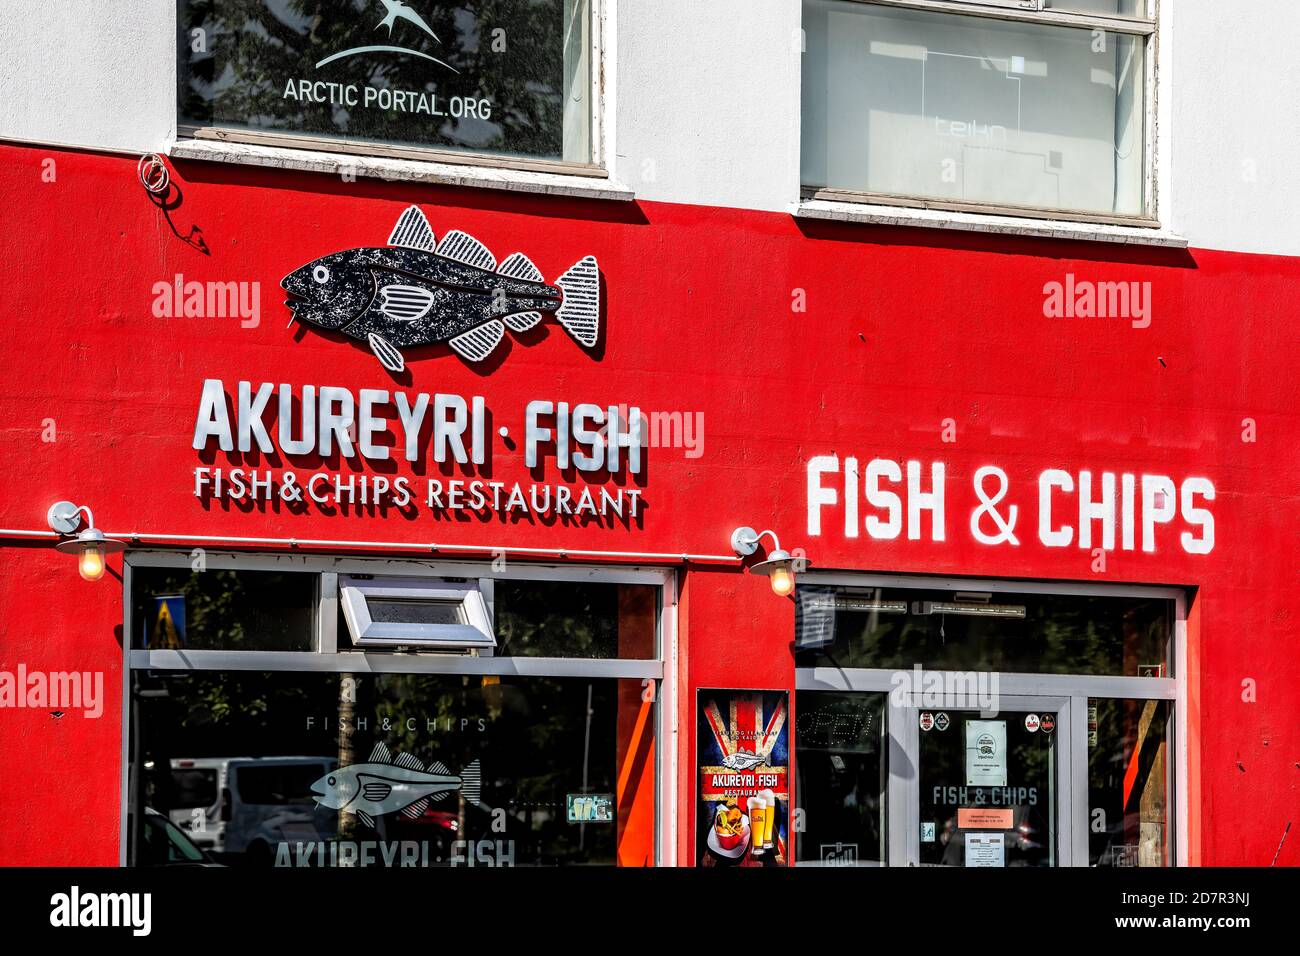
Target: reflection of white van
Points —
{"points": [[197, 784], [269, 799]]}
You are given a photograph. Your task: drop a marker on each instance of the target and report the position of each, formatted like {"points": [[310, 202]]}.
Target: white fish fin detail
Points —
{"points": [[380, 754], [410, 761], [391, 359], [579, 313], [439, 767], [519, 266], [376, 791], [441, 794], [478, 343], [471, 782], [465, 248], [413, 231], [523, 321], [415, 809], [405, 303], [366, 818]]}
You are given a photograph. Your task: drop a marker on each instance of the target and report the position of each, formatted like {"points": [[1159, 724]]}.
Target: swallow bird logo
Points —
{"points": [[397, 10], [394, 10], [418, 291]]}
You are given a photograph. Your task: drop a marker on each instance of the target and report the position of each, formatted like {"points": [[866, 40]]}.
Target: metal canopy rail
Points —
{"points": [[410, 546]]}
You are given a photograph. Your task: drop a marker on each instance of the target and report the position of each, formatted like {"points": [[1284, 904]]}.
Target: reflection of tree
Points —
{"points": [[544, 716], [254, 47], [1059, 635], [346, 727], [557, 619], [233, 610], [530, 744]]}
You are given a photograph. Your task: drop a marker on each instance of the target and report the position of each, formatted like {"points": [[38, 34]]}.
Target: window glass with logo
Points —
{"points": [[981, 719], [401, 770], [841, 777], [502, 77], [987, 794], [270, 737]]}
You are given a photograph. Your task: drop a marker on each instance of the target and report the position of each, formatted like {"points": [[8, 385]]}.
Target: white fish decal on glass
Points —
{"points": [[385, 785]]}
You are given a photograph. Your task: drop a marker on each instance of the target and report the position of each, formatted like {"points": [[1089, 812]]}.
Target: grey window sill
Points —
{"points": [[873, 214], [400, 170]]}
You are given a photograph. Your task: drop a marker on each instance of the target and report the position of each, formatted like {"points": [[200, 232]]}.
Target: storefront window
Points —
{"points": [[982, 631], [1127, 774], [397, 769], [988, 791], [953, 726], [953, 109], [392, 755], [841, 779], [508, 77]]}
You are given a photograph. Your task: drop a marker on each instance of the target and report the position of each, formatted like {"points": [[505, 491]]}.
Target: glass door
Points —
{"points": [[960, 722], [987, 789]]}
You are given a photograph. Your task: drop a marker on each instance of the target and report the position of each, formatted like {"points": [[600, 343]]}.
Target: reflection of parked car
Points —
{"points": [[163, 844], [269, 799], [197, 785], [445, 824]]}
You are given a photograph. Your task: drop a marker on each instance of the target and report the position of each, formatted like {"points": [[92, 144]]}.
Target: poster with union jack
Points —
{"points": [[742, 742]]}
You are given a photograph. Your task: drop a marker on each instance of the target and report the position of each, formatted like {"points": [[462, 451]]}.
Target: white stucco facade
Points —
{"points": [[702, 103]]}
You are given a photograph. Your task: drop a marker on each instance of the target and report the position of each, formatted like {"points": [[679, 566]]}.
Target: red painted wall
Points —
{"points": [[902, 329], [62, 807]]}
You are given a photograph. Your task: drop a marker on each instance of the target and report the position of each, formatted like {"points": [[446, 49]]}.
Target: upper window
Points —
{"points": [[1020, 107], [501, 77], [222, 610], [896, 628]]}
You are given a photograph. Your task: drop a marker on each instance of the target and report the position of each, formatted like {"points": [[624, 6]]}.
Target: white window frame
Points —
{"points": [[659, 673], [474, 633], [1072, 692], [837, 204], [374, 158]]}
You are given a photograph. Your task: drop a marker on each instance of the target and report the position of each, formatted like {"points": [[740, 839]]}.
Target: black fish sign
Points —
{"points": [[418, 291]]}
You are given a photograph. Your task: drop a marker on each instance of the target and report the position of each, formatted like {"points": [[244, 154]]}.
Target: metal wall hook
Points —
{"points": [[153, 174]]}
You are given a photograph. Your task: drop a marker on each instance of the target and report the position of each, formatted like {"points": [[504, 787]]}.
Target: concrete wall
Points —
{"points": [[86, 73], [706, 101], [1236, 82]]}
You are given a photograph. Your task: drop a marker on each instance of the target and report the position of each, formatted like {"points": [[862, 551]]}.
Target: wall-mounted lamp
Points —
{"points": [[779, 564], [90, 545]]}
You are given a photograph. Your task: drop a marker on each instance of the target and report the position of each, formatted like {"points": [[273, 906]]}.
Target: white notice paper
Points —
{"points": [[986, 753], [985, 849]]}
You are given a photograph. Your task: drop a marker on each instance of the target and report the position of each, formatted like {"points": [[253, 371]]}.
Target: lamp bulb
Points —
{"points": [[782, 579], [91, 562]]}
